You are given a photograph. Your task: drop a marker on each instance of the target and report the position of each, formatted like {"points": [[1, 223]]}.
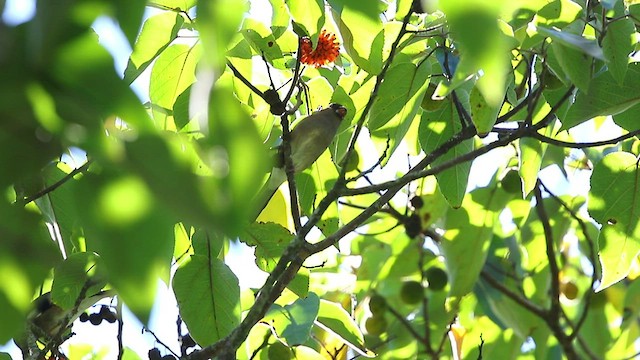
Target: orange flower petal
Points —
{"points": [[326, 52]]}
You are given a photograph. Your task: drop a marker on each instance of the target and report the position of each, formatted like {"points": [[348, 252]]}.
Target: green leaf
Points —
{"points": [[172, 73], [401, 84], [235, 176], [270, 240], [361, 30], [281, 17], [530, 160], [156, 35], [435, 129], [129, 354], [263, 42], [58, 207], [337, 321], [129, 16], [396, 124], [181, 116], [576, 42], [208, 296], [613, 202], [575, 64], [181, 5], [170, 158], [27, 255], [72, 275], [206, 243], [617, 45], [628, 119], [483, 114], [512, 314], [135, 241], [300, 283], [558, 13], [84, 70], [309, 15], [293, 322], [483, 45], [466, 240], [606, 97], [218, 22]]}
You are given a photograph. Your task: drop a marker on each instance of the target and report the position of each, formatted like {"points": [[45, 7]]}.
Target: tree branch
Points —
{"points": [[555, 309], [592, 259], [520, 300], [554, 313], [582, 145], [58, 183]]}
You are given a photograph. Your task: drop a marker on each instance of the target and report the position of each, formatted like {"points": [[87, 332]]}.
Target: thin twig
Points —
{"points": [[406, 324], [592, 259], [244, 80], [554, 270], [553, 315], [582, 145], [57, 184], [519, 299], [120, 328]]}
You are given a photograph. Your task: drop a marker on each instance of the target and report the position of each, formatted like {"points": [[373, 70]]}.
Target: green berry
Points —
{"points": [[377, 305], [411, 292], [437, 278]]}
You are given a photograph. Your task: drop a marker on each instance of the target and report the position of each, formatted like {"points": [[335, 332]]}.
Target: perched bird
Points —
{"points": [[46, 319], [309, 139]]}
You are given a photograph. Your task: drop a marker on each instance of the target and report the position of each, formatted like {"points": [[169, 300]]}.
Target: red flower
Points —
{"points": [[326, 52]]}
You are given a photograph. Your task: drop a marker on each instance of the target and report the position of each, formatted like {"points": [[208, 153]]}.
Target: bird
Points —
{"points": [[308, 140], [47, 319]]}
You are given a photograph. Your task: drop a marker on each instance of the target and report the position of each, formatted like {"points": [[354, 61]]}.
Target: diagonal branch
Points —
{"points": [[592, 259], [582, 145], [58, 183]]}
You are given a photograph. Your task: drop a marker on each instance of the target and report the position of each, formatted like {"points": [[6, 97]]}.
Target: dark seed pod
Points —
{"points": [[417, 202], [154, 354], [95, 319], [84, 317], [413, 226]]}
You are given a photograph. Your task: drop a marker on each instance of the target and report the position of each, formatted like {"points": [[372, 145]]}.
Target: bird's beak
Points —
{"points": [[340, 110]]}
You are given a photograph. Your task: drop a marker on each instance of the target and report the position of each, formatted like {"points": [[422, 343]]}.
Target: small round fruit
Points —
{"points": [[110, 317], [413, 225], [437, 278], [154, 354], [84, 317], [376, 325], [511, 182], [411, 292], [569, 290], [188, 342], [95, 319], [377, 305], [417, 202], [279, 351]]}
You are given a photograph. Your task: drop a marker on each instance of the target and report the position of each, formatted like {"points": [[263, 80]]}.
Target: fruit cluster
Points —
{"points": [[105, 314]]}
